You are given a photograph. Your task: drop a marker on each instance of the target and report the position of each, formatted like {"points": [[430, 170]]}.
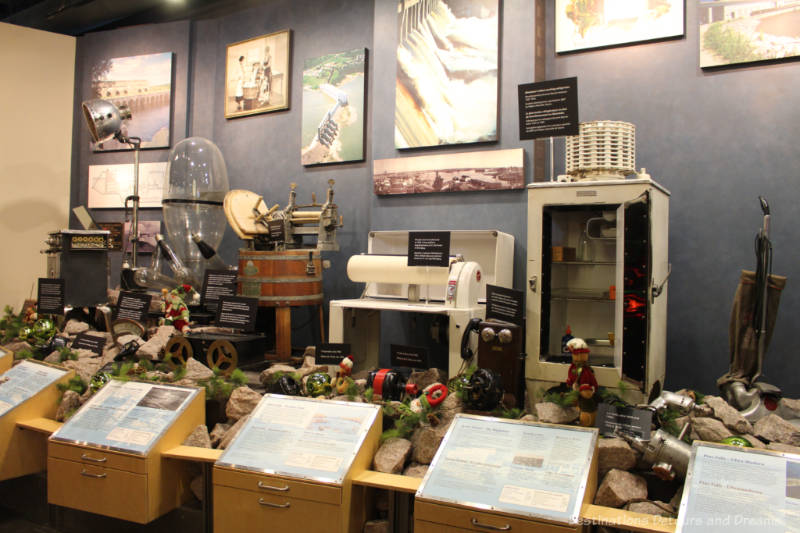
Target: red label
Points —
{"points": [[479, 275]]}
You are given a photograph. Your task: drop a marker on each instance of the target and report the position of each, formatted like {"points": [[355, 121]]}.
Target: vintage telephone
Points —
{"points": [[474, 324], [500, 349]]}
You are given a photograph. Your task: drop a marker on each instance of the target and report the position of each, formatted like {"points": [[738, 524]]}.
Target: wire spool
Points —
{"points": [[602, 150]]}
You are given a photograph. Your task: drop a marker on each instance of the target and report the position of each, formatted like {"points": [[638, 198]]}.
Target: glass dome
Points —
{"points": [[196, 184]]}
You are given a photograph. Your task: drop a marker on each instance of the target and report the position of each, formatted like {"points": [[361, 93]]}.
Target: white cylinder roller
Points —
{"points": [[393, 269]]}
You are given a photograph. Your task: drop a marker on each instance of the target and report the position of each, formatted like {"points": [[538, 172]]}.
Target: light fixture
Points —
{"points": [[105, 121]]}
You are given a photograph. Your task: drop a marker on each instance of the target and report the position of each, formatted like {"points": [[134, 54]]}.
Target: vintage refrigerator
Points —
{"points": [[597, 262]]}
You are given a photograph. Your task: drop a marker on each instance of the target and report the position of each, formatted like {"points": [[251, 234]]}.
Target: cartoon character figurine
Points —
{"points": [[176, 313], [342, 381], [581, 378]]}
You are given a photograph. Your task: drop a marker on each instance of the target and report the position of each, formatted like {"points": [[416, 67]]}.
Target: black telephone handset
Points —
{"points": [[472, 325]]}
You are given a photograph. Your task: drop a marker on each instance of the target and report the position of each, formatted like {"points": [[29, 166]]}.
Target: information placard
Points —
{"points": [[275, 230], [548, 108], [238, 312], [133, 306], [24, 381], [505, 304], [628, 420], [216, 284], [126, 416], [730, 489], [331, 354], [50, 296], [408, 356], [87, 341], [301, 437], [429, 248], [511, 466]]}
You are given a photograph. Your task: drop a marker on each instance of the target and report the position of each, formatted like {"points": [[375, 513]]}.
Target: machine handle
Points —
{"points": [[93, 459], [270, 487], [506, 527], [532, 283], [89, 474], [275, 505], [656, 290]]}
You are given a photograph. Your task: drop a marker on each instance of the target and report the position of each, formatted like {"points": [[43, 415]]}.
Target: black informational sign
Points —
{"points": [[238, 312], [548, 108], [505, 304], [429, 248], [50, 296], [133, 305], [628, 420], [275, 230], [331, 354], [86, 341], [408, 356], [216, 284]]}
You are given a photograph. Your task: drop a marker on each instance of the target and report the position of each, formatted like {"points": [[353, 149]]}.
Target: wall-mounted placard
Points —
{"points": [[133, 305], [409, 356], [50, 296], [126, 416], [216, 284], [24, 381], [238, 312], [730, 489], [527, 469], [505, 304], [628, 420], [87, 341], [548, 108], [428, 248], [331, 354], [301, 438]]}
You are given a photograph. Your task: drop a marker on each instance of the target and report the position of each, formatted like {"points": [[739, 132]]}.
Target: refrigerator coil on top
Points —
{"points": [[602, 150]]}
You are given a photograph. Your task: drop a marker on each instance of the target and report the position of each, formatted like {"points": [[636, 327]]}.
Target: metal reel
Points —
{"points": [[223, 355], [178, 351]]}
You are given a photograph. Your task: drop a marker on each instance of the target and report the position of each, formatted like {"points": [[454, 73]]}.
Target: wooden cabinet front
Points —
{"points": [[438, 518]]}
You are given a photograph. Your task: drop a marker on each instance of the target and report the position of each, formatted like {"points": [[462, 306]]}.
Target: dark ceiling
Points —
{"points": [[76, 17]]}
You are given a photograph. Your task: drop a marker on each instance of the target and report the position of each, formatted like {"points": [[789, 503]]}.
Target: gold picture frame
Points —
{"points": [[257, 73]]}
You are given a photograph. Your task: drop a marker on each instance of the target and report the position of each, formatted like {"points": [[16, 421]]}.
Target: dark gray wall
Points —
{"points": [[716, 140]]}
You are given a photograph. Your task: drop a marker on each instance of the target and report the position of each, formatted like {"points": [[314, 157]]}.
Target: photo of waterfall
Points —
{"points": [[447, 72]]}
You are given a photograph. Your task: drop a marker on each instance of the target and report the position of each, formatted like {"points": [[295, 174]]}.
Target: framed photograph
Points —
{"points": [[144, 84], [333, 108], [109, 185], [447, 73], [747, 31], [487, 170], [587, 24], [148, 229], [257, 75]]}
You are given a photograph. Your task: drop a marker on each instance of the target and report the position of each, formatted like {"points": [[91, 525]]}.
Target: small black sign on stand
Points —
{"points": [[50, 296], [548, 109], [237, 312], [133, 306], [429, 248], [409, 356], [275, 230], [86, 341], [505, 304], [628, 420], [331, 354], [217, 283]]}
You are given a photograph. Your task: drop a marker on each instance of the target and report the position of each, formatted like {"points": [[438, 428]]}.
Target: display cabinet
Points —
{"points": [[598, 266], [291, 467], [107, 459], [29, 391]]}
